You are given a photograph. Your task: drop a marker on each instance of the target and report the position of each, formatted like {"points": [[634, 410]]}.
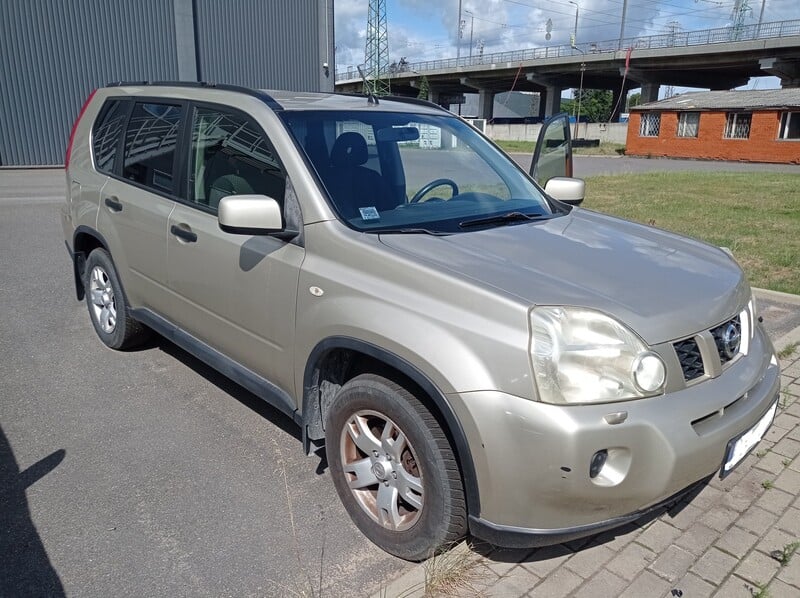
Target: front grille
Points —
{"points": [[727, 346], [690, 359]]}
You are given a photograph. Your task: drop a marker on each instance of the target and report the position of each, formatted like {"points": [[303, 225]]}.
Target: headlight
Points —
{"points": [[584, 356]]}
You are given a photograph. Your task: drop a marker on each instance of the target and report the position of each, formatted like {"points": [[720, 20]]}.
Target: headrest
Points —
{"points": [[349, 149]]}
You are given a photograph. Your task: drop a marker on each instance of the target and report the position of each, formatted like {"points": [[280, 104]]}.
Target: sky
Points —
{"points": [[428, 29]]}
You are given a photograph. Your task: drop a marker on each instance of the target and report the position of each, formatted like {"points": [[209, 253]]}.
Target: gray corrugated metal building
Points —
{"points": [[54, 52]]}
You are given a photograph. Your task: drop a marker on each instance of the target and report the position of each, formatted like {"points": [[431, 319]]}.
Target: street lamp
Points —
{"points": [[471, 28], [575, 32], [460, 25]]}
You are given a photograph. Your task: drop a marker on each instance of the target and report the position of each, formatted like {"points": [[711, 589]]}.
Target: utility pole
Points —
{"points": [[760, 17], [622, 24], [471, 28]]}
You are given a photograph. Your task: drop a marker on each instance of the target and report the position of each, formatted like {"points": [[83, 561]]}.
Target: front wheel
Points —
{"points": [[393, 468]]}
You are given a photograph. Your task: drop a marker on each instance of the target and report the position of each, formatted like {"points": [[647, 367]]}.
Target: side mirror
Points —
{"points": [[566, 189], [249, 215]]}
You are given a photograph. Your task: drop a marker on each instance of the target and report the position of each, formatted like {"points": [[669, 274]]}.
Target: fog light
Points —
{"points": [[597, 462], [648, 372]]}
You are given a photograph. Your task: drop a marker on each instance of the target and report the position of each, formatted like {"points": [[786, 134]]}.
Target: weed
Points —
{"points": [[786, 462], [761, 453], [452, 572], [785, 555], [307, 588], [767, 484], [759, 591], [788, 350]]}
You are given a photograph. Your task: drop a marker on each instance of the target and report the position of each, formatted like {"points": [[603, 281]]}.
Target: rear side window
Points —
{"points": [[150, 142], [106, 135]]}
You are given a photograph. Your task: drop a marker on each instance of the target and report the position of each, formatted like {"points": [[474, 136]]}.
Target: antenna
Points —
{"points": [[371, 98], [377, 51]]}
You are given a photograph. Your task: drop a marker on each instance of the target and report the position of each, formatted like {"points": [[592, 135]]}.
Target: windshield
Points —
{"points": [[398, 172]]}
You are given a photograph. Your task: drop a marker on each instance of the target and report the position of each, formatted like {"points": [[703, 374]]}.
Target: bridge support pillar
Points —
{"points": [[486, 104], [434, 96], [650, 92], [552, 102], [787, 71]]}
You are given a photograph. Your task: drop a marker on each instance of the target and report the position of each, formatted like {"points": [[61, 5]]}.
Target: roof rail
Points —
{"points": [[417, 101], [256, 93], [402, 99]]}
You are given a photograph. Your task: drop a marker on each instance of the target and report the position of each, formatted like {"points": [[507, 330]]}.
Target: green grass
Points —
{"points": [[526, 147], [788, 350], [755, 215]]}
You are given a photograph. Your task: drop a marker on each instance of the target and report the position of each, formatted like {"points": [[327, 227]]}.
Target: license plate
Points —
{"points": [[739, 447]]}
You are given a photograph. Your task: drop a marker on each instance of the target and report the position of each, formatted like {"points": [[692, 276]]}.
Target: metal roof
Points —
{"points": [[728, 100]]}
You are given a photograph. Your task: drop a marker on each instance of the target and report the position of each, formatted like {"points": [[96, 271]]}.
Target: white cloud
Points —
{"points": [[427, 29]]}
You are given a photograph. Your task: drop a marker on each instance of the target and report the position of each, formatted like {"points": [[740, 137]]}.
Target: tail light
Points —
{"points": [[75, 128]]}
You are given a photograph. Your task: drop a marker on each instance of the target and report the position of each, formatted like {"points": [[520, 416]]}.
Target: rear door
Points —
{"points": [[236, 293], [136, 201], [553, 154]]}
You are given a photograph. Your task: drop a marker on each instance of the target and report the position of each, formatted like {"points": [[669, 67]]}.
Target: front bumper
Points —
{"points": [[532, 459]]}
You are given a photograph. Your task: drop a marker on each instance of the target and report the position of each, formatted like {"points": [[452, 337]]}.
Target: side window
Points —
{"points": [[106, 133], [150, 141], [230, 155]]}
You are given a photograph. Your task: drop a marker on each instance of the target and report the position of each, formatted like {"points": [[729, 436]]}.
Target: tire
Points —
{"points": [[108, 308], [412, 510]]}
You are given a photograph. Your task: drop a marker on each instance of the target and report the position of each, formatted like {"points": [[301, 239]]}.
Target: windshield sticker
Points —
{"points": [[369, 213]]}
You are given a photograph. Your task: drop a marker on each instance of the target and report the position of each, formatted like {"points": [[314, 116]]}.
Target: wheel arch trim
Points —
{"points": [[455, 430], [79, 257]]}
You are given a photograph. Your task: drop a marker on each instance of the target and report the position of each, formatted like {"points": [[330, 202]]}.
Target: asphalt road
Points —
{"points": [[144, 473], [147, 473]]}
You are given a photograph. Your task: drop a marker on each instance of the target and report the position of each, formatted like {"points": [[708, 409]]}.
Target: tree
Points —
{"points": [[633, 100], [424, 88], [596, 104]]}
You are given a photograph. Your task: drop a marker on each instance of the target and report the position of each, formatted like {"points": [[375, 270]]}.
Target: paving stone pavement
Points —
{"points": [[727, 541]]}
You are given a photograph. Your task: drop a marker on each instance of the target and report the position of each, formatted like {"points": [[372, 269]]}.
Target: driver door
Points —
{"points": [[553, 154]]}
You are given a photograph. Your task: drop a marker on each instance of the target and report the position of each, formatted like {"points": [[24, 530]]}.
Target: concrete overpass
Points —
{"points": [[710, 59]]}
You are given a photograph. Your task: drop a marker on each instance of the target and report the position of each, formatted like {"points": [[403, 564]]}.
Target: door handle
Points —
{"points": [[182, 233], [113, 203]]}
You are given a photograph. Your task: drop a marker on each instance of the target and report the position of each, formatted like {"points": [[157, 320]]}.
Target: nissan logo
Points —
{"points": [[731, 338]]}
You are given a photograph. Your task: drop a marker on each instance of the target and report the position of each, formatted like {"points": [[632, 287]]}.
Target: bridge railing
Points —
{"points": [[677, 39]]}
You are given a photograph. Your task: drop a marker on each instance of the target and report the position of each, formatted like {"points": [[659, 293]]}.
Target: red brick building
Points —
{"points": [[751, 126]]}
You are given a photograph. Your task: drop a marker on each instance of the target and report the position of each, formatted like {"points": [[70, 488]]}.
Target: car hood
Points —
{"points": [[662, 285]]}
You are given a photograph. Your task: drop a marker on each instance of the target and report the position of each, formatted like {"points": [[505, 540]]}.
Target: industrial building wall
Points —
{"points": [[54, 52], [268, 44]]}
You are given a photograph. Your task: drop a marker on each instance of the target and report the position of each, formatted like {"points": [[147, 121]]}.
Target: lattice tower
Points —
{"points": [[377, 52]]}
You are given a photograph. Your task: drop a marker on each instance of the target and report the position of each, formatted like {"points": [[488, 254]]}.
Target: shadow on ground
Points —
{"points": [[26, 569]]}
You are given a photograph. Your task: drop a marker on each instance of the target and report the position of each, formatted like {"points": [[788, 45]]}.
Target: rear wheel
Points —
{"points": [[393, 468], [108, 309]]}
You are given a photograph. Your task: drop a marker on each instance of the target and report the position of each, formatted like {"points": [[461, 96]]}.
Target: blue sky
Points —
{"points": [[428, 29]]}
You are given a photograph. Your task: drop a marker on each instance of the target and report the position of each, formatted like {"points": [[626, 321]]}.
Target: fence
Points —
{"points": [[653, 42]]}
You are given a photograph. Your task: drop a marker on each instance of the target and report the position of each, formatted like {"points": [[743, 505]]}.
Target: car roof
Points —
{"points": [[296, 101], [289, 100]]}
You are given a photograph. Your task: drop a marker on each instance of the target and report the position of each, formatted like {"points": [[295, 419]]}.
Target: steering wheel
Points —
{"points": [[432, 185]]}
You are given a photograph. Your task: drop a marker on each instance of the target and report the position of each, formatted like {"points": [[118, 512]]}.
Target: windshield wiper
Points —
{"points": [[407, 231], [504, 219]]}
